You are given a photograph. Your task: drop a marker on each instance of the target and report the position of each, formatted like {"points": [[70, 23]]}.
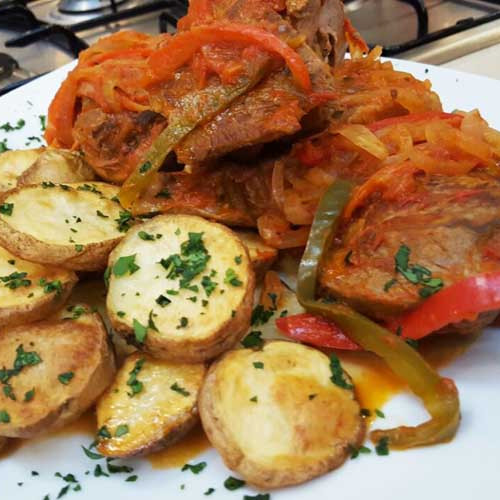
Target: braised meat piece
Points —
{"points": [[394, 253]]}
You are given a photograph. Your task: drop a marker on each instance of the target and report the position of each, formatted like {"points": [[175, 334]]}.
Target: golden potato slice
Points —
{"points": [[261, 254], [150, 405], [71, 225], [58, 166], [13, 164], [56, 371], [180, 288], [29, 291], [275, 415]]}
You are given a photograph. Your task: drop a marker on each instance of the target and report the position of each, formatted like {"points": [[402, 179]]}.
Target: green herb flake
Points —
{"points": [[208, 285], [29, 395], [412, 343], [194, 468], [258, 365], [164, 193], [231, 278], [389, 284], [121, 314], [65, 378], [254, 399], [43, 126], [145, 167], [131, 479], [12, 262], [100, 214], [51, 286], [338, 375], [124, 221], [98, 471], [125, 265], [253, 339], [355, 452], [140, 331], [121, 430], [238, 259], [91, 454], [4, 417], [260, 315], [183, 322], [136, 386], [382, 447], [209, 491], [233, 483], [78, 247], [63, 491], [260, 496], [145, 236], [162, 301], [8, 392], [103, 433], [6, 208], [177, 388], [379, 413]]}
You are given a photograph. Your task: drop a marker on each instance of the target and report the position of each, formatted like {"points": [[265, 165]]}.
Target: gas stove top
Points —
{"points": [[39, 36]]}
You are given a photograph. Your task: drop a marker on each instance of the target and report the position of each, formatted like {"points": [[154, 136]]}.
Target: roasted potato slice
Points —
{"points": [[74, 226], [29, 291], [58, 166], [150, 405], [58, 370], [180, 288], [275, 415], [3, 442], [13, 164], [261, 254]]}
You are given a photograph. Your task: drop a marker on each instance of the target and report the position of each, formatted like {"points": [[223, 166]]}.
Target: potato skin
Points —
{"points": [[80, 346], [304, 430], [157, 416], [170, 346], [13, 164], [57, 165], [93, 256]]}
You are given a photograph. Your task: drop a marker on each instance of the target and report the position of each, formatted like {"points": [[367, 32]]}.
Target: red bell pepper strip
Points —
{"points": [[180, 49], [316, 331], [460, 301]]}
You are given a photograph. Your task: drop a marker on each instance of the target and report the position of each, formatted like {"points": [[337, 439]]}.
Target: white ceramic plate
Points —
{"points": [[466, 468]]}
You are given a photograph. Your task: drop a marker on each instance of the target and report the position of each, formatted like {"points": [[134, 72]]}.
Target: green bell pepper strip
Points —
{"points": [[191, 111], [438, 394]]}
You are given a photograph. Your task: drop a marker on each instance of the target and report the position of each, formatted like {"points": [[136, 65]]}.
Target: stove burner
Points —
{"points": [[86, 6], [352, 5], [7, 66]]}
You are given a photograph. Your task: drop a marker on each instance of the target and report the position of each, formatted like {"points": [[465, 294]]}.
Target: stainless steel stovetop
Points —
{"points": [[470, 25]]}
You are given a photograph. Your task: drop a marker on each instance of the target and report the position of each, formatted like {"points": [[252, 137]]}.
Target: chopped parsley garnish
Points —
{"points": [[238, 259], [90, 188], [311, 396], [253, 339], [177, 388], [3, 146], [76, 311], [98, 472], [15, 280], [191, 262], [118, 469], [172, 292], [68, 478], [194, 468], [338, 376], [65, 378], [260, 315], [103, 433], [355, 452], [125, 265], [145, 167], [121, 314], [7, 127], [258, 364], [131, 479], [78, 247], [151, 323], [23, 358], [183, 322], [29, 395], [379, 413], [91, 454], [231, 278], [135, 385], [233, 483], [140, 331], [6, 208], [12, 262], [51, 286], [8, 392], [164, 193], [48, 184], [100, 214], [412, 343], [416, 274], [43, 122], [63, 491], [146, 236], [259, 496], [121, 430], [390, 284], [4, 417], [209, 491], [382, 447], [162, 301], [124, 220], [208, 285]]}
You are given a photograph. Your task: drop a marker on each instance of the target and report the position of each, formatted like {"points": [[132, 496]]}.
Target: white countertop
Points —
{"points": [[484, 62]]}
